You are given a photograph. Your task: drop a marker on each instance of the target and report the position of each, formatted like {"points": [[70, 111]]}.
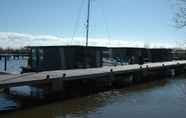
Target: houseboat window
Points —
{"points": [[34, 57], [41, 54]]}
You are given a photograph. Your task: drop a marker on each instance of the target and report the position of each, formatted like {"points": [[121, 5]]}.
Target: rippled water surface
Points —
{"points": [[163, 99]]}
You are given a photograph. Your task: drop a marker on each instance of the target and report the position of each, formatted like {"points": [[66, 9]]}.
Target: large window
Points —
{"points": [[41, 55], [34, 58]]}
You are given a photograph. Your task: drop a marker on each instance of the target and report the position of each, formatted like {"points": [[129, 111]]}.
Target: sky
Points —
{"points": [[132, 23]]}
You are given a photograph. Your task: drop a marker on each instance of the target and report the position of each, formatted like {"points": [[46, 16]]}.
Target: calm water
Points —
{"points": [[13, 65], [163, 99]]}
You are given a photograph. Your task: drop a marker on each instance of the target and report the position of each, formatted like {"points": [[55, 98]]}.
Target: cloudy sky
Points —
{"points": [[112, 23]]}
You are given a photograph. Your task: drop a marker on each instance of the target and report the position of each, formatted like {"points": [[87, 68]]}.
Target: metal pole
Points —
{"points": [[5, 65], [87, 27]]}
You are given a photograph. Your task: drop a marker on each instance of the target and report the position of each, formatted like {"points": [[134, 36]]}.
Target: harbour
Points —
{"points": [[40, 88], [47, 68]]}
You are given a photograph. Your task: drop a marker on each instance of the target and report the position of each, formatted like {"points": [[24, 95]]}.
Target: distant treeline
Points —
{"points": [[14, 51]]}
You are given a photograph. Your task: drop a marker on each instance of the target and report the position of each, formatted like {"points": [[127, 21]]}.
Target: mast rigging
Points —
{"points": [[87, 25]]}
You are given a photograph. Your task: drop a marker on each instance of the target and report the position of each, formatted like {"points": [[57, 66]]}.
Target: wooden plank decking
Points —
{"points": [[32, 78]]}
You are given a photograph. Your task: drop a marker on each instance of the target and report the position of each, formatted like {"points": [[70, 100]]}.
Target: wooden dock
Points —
{"points": [[90, 73]]}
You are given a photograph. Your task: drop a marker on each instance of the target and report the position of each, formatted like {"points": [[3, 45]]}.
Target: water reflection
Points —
{"points": [[166, 98], [6, 103], [13, 65]]}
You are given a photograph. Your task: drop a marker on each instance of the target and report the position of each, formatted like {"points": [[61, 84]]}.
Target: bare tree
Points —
{"points": [[180, 18]]}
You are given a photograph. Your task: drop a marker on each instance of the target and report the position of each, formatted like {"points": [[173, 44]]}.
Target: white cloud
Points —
{"points": [[16, 40]]}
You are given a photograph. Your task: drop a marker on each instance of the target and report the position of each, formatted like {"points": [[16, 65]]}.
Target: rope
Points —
{"points": [[106, 26], [77, 20]]}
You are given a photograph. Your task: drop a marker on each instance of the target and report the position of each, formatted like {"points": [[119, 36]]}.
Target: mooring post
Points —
{"points": [[147, 67], [166, 71], [138, 75], [48, 77], [109, 82], [64, 75], [57, 84], [111, 74], [163, 72]]}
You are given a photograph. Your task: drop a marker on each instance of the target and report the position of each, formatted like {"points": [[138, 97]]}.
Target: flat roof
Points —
{"points": [[97, 47], [64, 46]]}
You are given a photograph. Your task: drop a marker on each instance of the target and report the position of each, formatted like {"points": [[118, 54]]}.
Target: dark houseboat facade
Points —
{"points": [[64, 57], [45, 58]]}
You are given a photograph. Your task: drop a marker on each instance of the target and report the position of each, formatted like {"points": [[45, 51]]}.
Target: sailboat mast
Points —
{"points": [[87, 26]]}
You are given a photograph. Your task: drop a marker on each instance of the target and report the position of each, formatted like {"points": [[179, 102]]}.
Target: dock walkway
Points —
{"points": [[34, 78]]}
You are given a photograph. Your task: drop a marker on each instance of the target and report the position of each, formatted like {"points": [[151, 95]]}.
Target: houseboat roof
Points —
{"points": [[66, 46]]}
